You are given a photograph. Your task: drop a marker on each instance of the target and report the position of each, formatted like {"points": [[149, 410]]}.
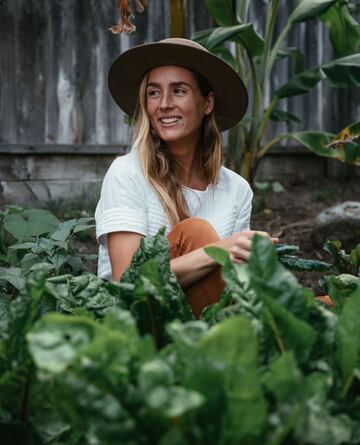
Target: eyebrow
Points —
{"points": [[172, 84]]}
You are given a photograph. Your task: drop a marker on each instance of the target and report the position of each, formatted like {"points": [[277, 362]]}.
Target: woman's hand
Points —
{"points": [[241, 244]]}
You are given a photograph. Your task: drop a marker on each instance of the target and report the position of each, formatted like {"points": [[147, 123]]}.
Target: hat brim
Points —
{"points": [[128, 70]]}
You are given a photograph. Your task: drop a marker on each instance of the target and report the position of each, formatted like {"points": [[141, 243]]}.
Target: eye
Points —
{"points": [[179, 90], [153, 93]]}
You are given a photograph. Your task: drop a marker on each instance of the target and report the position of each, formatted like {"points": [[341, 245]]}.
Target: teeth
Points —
{"points": [[169, 120]]}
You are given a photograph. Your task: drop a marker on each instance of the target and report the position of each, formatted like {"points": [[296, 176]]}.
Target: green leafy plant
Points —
{"points": [[255, 58], [265, 190], [32, 236], [84, 362]]}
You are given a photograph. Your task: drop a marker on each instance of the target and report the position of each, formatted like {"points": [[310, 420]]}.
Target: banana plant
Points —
{"points": [[256, 55]]}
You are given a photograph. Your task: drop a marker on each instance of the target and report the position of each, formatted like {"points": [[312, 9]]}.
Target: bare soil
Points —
{"points": [[290, 216]]}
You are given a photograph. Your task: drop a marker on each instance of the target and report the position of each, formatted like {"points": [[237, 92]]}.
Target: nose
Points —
{"points": [[166, 101]]}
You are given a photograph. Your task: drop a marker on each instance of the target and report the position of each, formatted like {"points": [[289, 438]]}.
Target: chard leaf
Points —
{"points": [[348, 339], [157, 297], [283, 378], [231, 347], [85, 291], [173, 401], [286, 304], [219, 255], [340, 288], [56, 340], [269, 278]]}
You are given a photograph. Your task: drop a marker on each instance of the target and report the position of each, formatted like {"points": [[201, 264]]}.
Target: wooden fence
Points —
{"points": [[59, 127]]}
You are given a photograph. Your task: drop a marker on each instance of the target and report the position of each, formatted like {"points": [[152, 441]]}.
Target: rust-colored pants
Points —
{"points": [[186, 236]]}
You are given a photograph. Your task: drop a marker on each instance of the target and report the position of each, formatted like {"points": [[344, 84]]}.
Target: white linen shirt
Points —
{"points": [[128, 202]]}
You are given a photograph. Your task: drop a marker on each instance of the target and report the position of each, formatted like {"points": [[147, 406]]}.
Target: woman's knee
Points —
{"points": [[197, 227], [196, 232]]}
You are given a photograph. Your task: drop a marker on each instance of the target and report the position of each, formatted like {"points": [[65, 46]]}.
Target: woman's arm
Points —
{"points": [[195, 265], [122, 246], [188, 268]]}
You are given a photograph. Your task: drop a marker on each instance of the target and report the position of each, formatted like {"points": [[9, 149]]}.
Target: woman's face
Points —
{"points": [[175, 104]]}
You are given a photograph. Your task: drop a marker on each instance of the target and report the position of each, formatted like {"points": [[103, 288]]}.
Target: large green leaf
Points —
{"points": [[344, 30], [286, 305], [283, 378], [285, 116], [296, 55], [315, 141], [14, 276], [301, 83], [309, 9], [222, 11], [348, 338], [244, 34], [231, 347], [56, 340], [343, 72], [344, 147], [30, 222]]}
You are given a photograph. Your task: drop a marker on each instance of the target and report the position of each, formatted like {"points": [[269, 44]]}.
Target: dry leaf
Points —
{"points": [[125, 12], [141, 5]]}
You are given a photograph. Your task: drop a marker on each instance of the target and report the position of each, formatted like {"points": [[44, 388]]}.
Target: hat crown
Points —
{"points": [[185, 42]]}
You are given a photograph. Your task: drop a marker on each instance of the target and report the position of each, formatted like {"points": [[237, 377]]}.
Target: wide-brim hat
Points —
{"points": [[129, 69]]}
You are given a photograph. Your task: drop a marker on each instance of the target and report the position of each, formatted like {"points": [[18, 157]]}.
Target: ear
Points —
{"points": [[209, 103]]}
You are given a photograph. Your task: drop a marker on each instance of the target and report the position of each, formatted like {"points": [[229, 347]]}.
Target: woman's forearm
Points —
{"points": [[194, 265]]}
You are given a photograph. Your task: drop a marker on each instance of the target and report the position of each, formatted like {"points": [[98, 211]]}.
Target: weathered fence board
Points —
{"points": [[54, 59]]}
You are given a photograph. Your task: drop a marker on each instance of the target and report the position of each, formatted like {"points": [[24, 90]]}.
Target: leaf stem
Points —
{"points": [[25, 400], [153, 324], [267, 147], [276, 333], [348, 384], [265, 120]]}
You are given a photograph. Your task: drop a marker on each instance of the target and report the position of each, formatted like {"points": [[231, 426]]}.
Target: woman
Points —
{"points": [[181, 96]]}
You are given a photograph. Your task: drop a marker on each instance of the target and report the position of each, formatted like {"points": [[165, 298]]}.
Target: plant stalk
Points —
{"points": [[178, 18], [264, 120], [243, 10]]}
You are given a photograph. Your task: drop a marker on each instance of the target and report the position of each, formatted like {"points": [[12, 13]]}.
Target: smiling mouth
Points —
{"points": [[169, 120]]}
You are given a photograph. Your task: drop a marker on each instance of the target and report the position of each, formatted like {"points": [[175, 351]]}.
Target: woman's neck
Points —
{"points": [[192, 173]]}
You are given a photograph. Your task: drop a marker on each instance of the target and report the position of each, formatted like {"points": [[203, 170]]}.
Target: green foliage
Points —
{"points": [[85, 362], [255, 56], [32, 236]]}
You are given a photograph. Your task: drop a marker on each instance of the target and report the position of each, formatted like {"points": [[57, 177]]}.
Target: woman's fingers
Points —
{"points": [[240, 251]]}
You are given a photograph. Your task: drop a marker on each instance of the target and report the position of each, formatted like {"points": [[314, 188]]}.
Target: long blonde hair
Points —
{"points": [[160, 169]]}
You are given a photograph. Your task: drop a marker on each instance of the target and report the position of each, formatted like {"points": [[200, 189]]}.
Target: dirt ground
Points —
{"points": [[290, 215]]}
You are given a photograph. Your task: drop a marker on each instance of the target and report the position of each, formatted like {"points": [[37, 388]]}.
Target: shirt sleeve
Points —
{"points": [[122, 204], [243, 218]]}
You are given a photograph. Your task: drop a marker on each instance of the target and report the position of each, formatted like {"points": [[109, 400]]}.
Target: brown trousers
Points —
{"points": [[186, 236]]}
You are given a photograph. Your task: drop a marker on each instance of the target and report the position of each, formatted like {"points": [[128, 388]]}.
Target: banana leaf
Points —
{"points": [[309, 9], [344, 30], [222, 11], [244, 34], [345, 146]]}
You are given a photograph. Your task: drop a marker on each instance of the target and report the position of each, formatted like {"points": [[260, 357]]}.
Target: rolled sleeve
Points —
{"points": [[122, 204]]}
